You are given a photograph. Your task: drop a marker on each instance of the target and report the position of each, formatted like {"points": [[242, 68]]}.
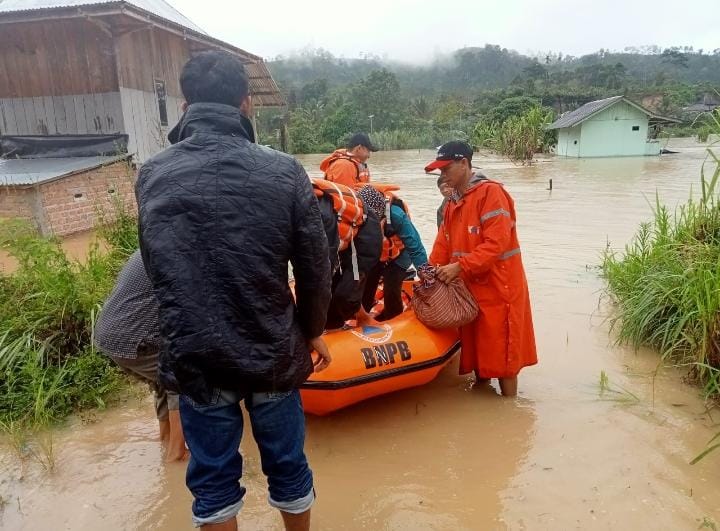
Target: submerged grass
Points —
{"points": [[48, 366], [615, 393], [666, 283]]}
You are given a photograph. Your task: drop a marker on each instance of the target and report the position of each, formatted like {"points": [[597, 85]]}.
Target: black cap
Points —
{"points": [[450, 152], [361, 139]]}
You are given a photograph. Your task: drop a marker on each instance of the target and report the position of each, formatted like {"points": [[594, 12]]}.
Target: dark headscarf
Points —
{"points": [[373, 200]]}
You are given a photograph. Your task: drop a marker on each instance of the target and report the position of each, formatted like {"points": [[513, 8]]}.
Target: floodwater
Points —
{"points": [[445, 457], [75, 247]]}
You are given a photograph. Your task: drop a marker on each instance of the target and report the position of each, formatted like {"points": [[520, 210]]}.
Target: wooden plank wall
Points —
{"points": [[142, 122], [150, 54], [58, 77], [143, 57], [55, 58], [57, 115]]}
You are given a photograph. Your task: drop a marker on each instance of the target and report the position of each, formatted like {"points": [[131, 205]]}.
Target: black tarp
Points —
{"points": [[62, 146]]}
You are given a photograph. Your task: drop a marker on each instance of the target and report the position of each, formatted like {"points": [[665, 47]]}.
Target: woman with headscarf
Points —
{"points": [[402, 247]]}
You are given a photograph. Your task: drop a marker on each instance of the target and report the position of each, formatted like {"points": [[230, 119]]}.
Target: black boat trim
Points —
{"points": [[377, 376]]}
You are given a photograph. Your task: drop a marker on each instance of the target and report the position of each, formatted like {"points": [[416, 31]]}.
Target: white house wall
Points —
{"points": [[610, 133], [62, 115], [569, 142]]}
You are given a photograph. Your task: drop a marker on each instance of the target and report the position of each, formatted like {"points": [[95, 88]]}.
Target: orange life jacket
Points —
{"points": [[392, 244], [362, 173], [347, 206]]}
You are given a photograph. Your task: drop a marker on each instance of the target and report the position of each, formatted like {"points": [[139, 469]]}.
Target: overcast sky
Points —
{"points": [[417, 30]]}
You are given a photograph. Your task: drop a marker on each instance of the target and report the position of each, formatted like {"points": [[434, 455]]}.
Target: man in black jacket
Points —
{"points": [[220, 219]]}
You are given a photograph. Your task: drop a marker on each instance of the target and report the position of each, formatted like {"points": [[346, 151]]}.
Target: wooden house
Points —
{"points": [[70, 67]]}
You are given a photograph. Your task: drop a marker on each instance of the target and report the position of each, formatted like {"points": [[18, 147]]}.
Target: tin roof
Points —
{"points": [[571, 119], [157, 7], [701, 107], [579, 115], [27, 172]]}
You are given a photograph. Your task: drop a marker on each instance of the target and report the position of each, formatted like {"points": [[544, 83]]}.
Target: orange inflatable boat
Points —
{"points": [[374, 360]]}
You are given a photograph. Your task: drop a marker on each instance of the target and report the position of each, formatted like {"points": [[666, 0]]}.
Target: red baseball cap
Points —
{"points": [[450, 152]]}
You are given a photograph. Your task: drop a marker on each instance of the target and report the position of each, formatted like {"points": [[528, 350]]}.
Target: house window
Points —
{"points": [[636, 128], [575, 142], [162, 101]]}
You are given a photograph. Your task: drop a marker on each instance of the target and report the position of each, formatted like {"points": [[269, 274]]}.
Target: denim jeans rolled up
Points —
{"points": [[213, 432]]}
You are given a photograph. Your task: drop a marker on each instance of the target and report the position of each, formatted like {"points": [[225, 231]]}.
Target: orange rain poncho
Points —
{"points": [[478, 232]]}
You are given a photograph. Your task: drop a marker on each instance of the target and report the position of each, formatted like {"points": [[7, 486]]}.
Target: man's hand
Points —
{"points": [[323, 358], [448, 273]]}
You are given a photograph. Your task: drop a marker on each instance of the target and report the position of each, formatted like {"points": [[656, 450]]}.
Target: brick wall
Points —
{"points": [[74, 204], [15, 202]]}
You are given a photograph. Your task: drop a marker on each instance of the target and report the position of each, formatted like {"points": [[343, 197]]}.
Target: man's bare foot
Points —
{"points": [[508, 386], [164, 429], [331, 330], [176, 450], [481, 382], [367, 321], [173, 456]]}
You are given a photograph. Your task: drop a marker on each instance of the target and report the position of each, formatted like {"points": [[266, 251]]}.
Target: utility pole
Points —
{"points": [[371, 126]]}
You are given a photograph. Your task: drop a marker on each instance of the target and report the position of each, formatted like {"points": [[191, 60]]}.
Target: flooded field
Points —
{"points": [[446, 457]]}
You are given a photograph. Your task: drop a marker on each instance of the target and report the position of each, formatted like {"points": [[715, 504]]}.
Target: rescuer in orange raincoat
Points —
{"points": [[478, 242], [349, 166]]}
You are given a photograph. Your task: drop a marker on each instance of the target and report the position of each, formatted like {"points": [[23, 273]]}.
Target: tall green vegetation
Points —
{"points": [[331, 97], [323, 117], [666, 283], [48, 365], [518, 137]]}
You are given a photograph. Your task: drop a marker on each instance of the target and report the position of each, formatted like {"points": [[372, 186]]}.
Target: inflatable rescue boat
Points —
{"points": [[374, 360]]}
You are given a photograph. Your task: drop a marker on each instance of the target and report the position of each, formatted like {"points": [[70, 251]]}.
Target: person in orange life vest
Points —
{"points": [[478, 242], [353, 253], [402, 247], [349, 166]]}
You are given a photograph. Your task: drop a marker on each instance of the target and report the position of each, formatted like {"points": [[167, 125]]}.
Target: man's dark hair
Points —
{"points": [[214, 77]]}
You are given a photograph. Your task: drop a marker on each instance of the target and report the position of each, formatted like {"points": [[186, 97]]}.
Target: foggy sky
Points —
{"points": [[417, 31]]}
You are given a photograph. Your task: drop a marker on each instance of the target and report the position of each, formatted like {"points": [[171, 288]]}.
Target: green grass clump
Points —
{"points": [[666, 283], [48, 365]]}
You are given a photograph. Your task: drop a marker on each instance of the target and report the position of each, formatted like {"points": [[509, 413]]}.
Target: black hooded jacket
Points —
{"points": [[219, 219]]}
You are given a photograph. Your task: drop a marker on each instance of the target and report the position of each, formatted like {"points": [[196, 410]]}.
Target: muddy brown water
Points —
{"points": [[445, 457]]}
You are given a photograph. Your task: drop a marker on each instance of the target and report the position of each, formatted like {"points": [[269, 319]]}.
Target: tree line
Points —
{"points": [[411, 106]]}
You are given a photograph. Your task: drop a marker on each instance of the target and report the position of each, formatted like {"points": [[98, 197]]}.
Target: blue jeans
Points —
{"points": [[213, 432]]}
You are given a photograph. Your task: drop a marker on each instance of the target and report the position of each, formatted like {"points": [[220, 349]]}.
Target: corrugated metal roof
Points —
{"points": [[24, 172], [571, 119], [701, 107], [262, 86], [157, 7], [576, 117]]}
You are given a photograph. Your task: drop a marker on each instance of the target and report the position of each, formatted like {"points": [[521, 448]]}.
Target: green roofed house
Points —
{"points": [[613, 127]]}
